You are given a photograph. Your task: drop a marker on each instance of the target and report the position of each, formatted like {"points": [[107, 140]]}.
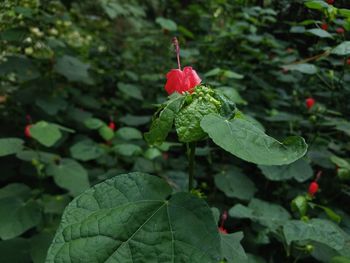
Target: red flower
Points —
{"points": [[313, 188], [222, 230], [348, 61], [330, 2], [324, 26], [27, 131], [111, 125], [340, 30], [309, 102], [180, 81]]}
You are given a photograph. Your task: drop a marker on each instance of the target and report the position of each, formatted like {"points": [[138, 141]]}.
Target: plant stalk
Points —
{"points": [[191, 155]]}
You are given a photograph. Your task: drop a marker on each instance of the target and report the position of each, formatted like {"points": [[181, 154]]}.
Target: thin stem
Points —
{"points": [[191, 155], [177, 50]]}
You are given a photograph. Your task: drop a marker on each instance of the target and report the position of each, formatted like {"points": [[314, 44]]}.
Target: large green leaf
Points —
{"points": [[132, 218], [10, 146], [248, 142], [45, 133], [235, 184], [318, 230], [267, 214], [166, 23], [163, 123], [300, 170], [70, 175]]}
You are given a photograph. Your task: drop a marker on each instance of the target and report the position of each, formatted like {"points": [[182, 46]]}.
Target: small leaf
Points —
{"points": [[73, 69], [340, 259], [130, 90], [134, 218], [128, 133], [235, 184], [161, 125], [248, 142], [319, 32], [269, 215], [86, 150], [231, 248], [316, 4], [93, 123], [10, 146], [45, 133], [166, 23], [17, 216], [106, 133], [127, 149], [303, 68], [300, 170], [342, 49], [70, 175]]}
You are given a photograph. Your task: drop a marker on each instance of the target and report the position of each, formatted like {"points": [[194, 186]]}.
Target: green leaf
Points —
{"points": [[232, 75], [10, 146], [51, 105], [340, 260], [342, 49], [248, 142], [24, 69], [16, 250], [300, 170], [130, 90], [340, 162], [106, 133], [231, 248], [86, 150], [235, 184], [187, 121], [128, 133], [94, 123], [232, 94], [303, 68], [133, 218], [133, 120], [17, 216], [127, 149], [45, 133], [39, 245], [318, 230], [73, 69], [267, 214], [70, 175], [319, 32], [316, 4], [162, 124], [15, 190], [167, 24]]}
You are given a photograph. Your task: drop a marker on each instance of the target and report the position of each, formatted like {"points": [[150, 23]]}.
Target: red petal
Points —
{"points": [[174, 81], [191, 78], [181, 81]]}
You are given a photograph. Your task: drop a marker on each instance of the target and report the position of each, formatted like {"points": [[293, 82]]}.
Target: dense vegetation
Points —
{"points": [[81, 80]]}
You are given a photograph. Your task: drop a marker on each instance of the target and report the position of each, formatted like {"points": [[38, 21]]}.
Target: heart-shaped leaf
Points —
{"points": [[248, 142], [133, 218]]}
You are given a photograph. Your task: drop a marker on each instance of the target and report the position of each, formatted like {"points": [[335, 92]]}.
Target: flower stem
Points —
{"points": [[191, 155], [177, 50]]}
